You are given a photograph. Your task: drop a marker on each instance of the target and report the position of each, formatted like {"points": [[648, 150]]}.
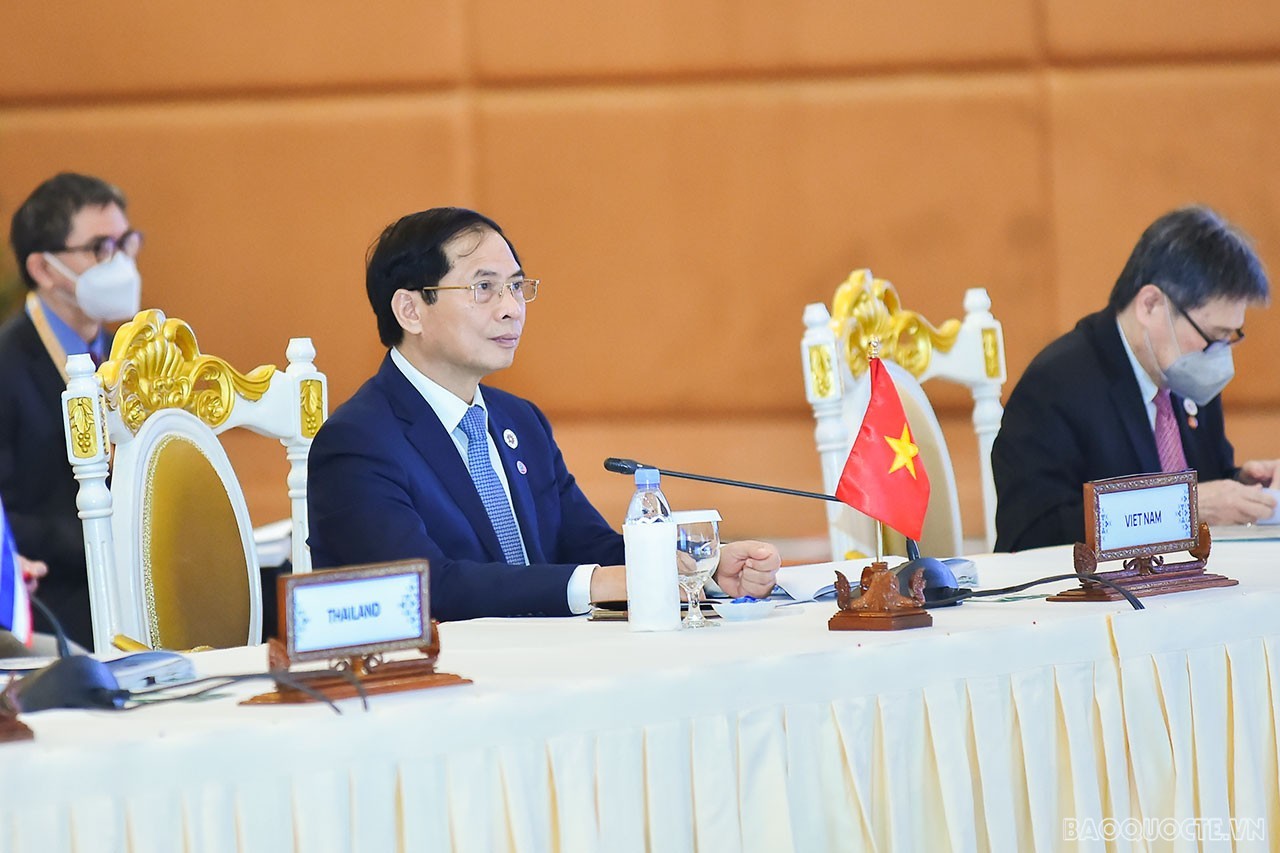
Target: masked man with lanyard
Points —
{"points": [[75, 251], [1134, 389]]}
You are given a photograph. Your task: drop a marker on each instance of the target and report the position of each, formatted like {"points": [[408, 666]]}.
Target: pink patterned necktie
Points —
{"points": [[1168, 439]]}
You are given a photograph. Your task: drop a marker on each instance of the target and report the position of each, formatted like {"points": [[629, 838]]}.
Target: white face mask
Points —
{"points": [[107, 292]]}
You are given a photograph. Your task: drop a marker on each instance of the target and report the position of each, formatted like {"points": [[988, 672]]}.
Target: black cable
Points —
{"points": [[355, 682], [966, 594], [296, 680], [64, 649]]}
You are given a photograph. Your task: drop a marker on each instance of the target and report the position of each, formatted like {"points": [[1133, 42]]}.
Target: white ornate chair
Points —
{"points": [[834, 353], [169, 545]]}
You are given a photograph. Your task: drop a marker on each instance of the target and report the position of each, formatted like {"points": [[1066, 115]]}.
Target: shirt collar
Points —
{"points": [[449, 408], [1146, 386], [69, 339]]}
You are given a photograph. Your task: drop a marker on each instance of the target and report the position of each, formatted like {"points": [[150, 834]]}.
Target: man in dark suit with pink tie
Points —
{"points": [[1134, 389]]}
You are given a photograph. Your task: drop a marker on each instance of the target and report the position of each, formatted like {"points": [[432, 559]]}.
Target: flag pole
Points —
{"points": [[873, 352]]}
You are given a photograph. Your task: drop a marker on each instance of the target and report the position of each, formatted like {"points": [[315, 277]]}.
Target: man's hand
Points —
{"points": [[609, 583], [32, 571], [1229, 502], [1264, 472], [747, 568]]}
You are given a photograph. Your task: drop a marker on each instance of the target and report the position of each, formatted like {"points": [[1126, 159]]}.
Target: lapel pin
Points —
{"points": [[520, 467], [510, 438], [1189, 406]]}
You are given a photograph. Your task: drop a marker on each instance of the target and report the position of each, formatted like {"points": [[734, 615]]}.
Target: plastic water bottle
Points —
{"points": [[648, 504], [649, 535]]}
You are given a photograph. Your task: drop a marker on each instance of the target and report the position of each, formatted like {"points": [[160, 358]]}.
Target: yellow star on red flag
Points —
{"points": [[904, 452]]}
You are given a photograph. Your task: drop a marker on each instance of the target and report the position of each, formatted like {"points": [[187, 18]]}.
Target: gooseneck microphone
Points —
{"points": [[629, 466], [936, 572]]}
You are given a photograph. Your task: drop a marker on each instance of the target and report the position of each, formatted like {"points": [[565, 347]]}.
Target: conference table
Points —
{"points": [[1009, 725]]}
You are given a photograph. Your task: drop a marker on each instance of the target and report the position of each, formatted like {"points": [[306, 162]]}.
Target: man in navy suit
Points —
{"points": [[75, 251], [423, 461], [1134, 389]]}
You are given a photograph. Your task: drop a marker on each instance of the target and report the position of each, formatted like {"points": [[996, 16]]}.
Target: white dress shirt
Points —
{"points": [[1146, 386], [450, 408]]}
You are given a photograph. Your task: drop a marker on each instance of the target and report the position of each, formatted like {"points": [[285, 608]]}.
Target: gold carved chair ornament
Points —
{"points": [[169, 544], [834, 353]]}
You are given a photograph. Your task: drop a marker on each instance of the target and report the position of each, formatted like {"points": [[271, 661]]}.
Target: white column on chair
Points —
{"points": [[987, 410], [824, 389], [89, 452], [301, 354]]}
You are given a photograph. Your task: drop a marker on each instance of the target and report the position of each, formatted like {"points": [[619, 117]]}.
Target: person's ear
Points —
{"points": [[407, 308], [1150, 305], [42, 272]]}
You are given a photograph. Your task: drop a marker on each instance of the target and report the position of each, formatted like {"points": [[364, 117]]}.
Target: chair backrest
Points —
{"points": [[169, 545], [834, 354]]}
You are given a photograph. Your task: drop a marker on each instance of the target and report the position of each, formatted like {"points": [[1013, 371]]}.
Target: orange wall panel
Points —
{"points": [[1110, 29], [1132, 144], [82, 49], [569, 38], [684, 175], [698, 222]]}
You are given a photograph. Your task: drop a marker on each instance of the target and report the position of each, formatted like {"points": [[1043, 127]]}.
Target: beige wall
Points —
{"points": [[686, 173]]}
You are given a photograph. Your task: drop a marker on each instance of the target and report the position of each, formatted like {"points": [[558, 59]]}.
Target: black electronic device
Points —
{"points": [[72, 681]]}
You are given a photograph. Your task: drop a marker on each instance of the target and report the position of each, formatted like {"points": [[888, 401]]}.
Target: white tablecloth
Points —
{"points": [[986, 731]]}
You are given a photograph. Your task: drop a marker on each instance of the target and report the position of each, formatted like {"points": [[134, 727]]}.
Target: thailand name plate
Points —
{"points": [[354, 611], [1147, 514]]}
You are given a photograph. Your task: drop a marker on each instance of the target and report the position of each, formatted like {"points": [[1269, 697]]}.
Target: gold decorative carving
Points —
{"points": [[84, 427], [991, 352], [820, 368], [156, 364], [866, 308], [311, 392]]}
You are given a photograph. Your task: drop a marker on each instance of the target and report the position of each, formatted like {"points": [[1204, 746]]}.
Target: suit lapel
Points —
{"points": [[521, 495], [428, 436]]}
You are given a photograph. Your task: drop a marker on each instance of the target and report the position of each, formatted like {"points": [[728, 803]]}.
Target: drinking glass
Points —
{"points": [[697, 555]]}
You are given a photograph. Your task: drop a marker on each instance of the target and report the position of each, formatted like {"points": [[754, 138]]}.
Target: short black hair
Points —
{"points": [[409, 254], [1194, 255], [43, 222]]}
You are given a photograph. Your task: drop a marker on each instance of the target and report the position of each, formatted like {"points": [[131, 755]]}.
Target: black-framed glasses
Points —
{"points": [[1233, 337], [104, 249], [485, 291]]}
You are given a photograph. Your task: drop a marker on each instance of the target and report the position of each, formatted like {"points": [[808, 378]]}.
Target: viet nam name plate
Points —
{"points": [[1139, 520]]}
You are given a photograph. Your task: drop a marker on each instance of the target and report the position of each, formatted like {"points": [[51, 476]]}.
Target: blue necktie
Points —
{"points": [[490, 487]]}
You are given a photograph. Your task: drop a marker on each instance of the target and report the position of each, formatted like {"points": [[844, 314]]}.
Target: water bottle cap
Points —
{"points": [[648, 476]]}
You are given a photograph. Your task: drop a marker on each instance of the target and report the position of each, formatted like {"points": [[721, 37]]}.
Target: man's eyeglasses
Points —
{"points": [[483, 292], [1233, 337], [104, 249]]}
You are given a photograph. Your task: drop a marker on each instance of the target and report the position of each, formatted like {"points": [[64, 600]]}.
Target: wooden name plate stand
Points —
{"points": [[11, 728], [881, 606], [353, 617], [1146, 574], [373, 673]]}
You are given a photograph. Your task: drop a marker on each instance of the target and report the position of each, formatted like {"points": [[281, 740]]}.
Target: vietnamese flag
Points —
{"points": [[884, 476]]}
